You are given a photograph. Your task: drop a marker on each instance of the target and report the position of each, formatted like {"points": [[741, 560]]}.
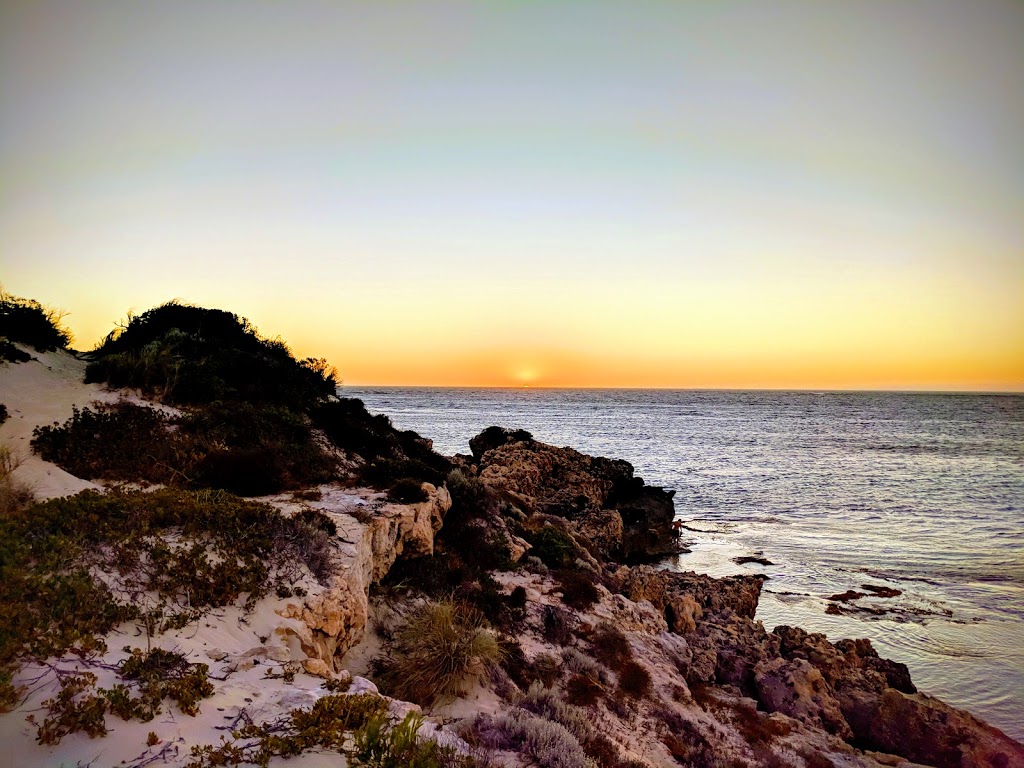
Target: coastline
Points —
{"points": [[702, 654]]}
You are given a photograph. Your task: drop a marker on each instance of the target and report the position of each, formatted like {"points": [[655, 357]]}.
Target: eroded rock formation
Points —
{"points": [[620, 516]]}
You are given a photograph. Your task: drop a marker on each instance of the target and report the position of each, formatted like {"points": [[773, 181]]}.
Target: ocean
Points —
{"points": [[921, 493]]}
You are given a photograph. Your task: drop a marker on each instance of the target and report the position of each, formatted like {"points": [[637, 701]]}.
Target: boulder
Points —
{"points": [[620, 516], [925, 730], [797, 689]]}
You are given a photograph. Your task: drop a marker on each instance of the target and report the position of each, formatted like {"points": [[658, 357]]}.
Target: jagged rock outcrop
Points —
{"points": [[688, 597], [797, 689], [926, 730], [613, 510], [333, 621], [882, 708]]}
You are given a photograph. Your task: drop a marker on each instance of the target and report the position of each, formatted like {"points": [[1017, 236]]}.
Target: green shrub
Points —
{"points": [[390, 455], [187, 354], [248, 449], [554, 547], [227, 547], [434, 653], [379, 746], [3, 413], [28, 322], [355, 726]]}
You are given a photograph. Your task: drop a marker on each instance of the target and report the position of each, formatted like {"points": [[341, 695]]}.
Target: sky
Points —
{"points": [[764, 194]]}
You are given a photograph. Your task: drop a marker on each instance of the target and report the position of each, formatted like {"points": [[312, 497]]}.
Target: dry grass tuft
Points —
{"points": [[441, 645]]}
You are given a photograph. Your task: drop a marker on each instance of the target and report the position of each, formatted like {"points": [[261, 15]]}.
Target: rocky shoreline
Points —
{"points": [[604, 660]]}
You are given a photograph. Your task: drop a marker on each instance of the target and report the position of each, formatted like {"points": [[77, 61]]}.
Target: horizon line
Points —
{"points": [[807, 390]]}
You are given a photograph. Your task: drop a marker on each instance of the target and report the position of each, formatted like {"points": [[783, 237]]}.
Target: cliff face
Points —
{"points": [[371, 537]]}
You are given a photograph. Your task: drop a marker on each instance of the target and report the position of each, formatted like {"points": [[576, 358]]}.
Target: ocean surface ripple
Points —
{"points": [[923, 493]]}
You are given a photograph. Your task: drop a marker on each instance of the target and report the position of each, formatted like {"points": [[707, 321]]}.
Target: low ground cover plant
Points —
{"points": [[353, 725], [170, 556], [154, 675]]}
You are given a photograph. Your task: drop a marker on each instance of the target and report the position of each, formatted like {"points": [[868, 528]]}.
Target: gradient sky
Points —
{"points": [[678, 194]]}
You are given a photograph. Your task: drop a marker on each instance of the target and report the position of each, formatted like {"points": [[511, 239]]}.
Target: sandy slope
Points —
{"points": [[40, 392]]}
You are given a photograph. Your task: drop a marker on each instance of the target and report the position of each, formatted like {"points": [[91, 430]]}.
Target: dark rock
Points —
{"points": [[744, 559], [881, 591], [493, 437], [849, 594], [541, 478], [926, 730]]}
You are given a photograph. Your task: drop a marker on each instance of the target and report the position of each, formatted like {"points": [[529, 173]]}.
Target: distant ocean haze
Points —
{"points": [[921, 493]]}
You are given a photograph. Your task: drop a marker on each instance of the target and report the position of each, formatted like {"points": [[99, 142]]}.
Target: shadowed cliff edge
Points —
{"points": [[208, 558]]}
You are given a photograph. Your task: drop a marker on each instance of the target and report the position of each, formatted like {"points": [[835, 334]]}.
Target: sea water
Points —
{"points": [[923, 493]]}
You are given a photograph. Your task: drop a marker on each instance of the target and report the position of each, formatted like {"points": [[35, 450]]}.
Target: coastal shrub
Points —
{"points": [[578, 589], [188, 354], [610, 647], [583, 691], [469, 525], [390, 455], [554, 547], [581, 664], [73, 710], [248, 449], [3, 413], [635, 680], [26, 321], [440, 646], [558, 625], [122, 441], [545, 742], [544, 702], [407, 491], [12, 354], [355, 726]]}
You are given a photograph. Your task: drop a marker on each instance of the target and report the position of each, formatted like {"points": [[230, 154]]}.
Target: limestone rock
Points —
{"points": [[688, 597], [926, 730], [796, 688], [620, 516]]}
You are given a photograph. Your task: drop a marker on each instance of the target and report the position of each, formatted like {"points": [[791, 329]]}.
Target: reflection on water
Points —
{"points": [[919, 492]]}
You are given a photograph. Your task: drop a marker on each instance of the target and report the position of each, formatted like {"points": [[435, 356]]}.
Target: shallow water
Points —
{"points": [[919, 492]]}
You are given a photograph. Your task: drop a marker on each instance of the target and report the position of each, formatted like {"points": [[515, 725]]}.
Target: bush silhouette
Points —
{"points": [[28, 322], [187, 354]]}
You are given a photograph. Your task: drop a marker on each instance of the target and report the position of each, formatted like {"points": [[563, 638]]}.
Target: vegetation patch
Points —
{"points": [[579, 590], [186, 354], [248, 449], [407, 491], [391, 455], [28, 322], [154, 675], [170, 556], [554, 547], [12, 354], [356, 726], [441, 645]]}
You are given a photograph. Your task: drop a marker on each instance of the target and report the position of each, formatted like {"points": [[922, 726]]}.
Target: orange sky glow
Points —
{"points": [[787, 194]]}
